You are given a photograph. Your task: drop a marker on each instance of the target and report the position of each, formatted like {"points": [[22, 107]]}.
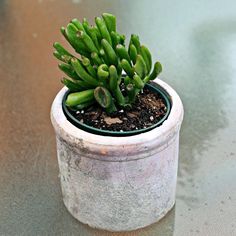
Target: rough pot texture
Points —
{"points": [[118, 183]]}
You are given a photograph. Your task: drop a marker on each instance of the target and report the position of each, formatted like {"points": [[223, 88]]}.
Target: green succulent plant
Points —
{"points": [[96, 75]]}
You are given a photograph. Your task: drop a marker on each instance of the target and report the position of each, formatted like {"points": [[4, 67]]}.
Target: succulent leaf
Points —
{"points": [[61, 49], [103, 29], [140, 66], [78, 98], [133, 53], [110, 53], [63, 31], [87, 41], [78, 45], [127, 67], [156, 71], [113, 77], [82, 73], [84, 105], [122, 53], [103, 97], [86, 62], [96, 59], [147, 57], [78, 24], [103, 72], [93, 33], [75, 85], [69, 71], [135, 41], [138, 82], [115, 37], [110, 21]]}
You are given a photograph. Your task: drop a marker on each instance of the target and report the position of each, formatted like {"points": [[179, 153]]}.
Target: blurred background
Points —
{"points": [[196, 43]]}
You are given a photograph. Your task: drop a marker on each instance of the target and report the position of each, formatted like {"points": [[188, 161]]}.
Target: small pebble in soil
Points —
{"points": [[77, 112], [151, 118]]}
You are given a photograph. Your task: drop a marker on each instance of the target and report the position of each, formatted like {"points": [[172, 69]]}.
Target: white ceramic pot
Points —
{"points": [[118, 183]]}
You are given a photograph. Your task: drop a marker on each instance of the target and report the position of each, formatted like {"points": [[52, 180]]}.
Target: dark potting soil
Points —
{"points": [[148, 109]]}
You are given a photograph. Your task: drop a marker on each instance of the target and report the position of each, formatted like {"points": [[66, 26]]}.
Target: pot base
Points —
{"points": [[160, 217]]}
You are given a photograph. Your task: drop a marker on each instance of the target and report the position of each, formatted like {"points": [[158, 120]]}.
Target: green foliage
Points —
{"points": [[95, 75]]}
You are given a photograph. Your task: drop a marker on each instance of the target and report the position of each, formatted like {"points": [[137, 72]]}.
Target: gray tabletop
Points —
{"points": [[196, 43]]}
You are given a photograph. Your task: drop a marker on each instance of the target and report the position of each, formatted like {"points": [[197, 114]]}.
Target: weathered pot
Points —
{"points": [[118, 183]]}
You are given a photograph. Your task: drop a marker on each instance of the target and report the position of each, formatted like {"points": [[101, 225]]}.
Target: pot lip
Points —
{"points": [[158, 89], [71, 133]]}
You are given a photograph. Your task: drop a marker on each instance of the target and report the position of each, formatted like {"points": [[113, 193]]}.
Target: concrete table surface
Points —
{"points": [[196, 43]]}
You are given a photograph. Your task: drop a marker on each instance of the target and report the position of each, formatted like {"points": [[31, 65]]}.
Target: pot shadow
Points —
{"points": [[205, 101], [164, 227]]}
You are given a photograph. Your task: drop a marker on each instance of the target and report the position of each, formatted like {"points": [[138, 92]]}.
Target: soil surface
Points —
{"points": [[147, 110]]}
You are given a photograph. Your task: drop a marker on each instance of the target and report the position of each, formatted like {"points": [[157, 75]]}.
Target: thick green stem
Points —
{"points": [[114, 86], [127, 80], [131, 92]]}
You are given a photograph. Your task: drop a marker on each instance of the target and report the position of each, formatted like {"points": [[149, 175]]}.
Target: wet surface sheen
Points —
{"points": [[196, 43]]}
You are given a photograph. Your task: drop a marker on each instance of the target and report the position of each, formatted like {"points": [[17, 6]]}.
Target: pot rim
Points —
{"points": [[157, 89], [98, 144]]}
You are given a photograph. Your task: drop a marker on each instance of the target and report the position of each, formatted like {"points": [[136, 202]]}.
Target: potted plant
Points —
{"points": [[117, 134]]}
